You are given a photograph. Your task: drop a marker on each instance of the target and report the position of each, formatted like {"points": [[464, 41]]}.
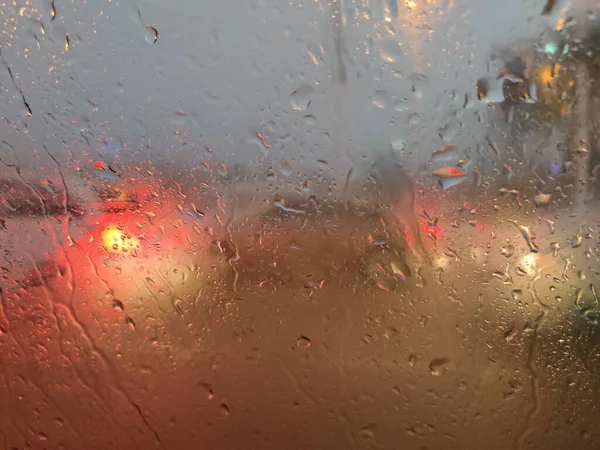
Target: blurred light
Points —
{"points": [[550, 48], [529, 262], [410, 3], [546, 75], [117, 240]]}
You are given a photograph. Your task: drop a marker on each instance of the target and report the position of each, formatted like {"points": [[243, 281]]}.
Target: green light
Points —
{"points": [[550, 48]]}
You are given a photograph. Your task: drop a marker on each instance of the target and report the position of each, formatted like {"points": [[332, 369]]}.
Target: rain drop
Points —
{"points": [[130, 323], [511, 333], [577, 241], [447, 153], [528, 236], [517, 295], [225, 409], [390, 50], [105, 171], [118, 304], [438, 366], [398, 272], [151, 34], [449, 172], [542, 200], [303, 342], [507, 250], [300, 99], [367, 432], [197, 213], [381, 99]]}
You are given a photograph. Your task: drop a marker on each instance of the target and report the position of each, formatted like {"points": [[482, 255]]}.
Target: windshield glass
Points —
{"points": [[346, 224]]}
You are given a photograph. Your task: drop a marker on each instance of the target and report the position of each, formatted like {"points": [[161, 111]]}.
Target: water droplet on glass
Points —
{"points": [[112, 148], [507, 250], [412, 359], [381, 99], [449, 173], [130, 323], [511, 333], [151, 34], [542, 200], [577, 240], [438, 366], [105, 171], [445, 154], [397, 271], [367, 432], [300, 99], [399, 145], [197, 213], [118, 304], [303, 342], [322, 164], [401, 104], [286, 168], [528, 236], [47, 185], [517, 295], [593, 360], [390, 50], [178, 307], [225, 409]]}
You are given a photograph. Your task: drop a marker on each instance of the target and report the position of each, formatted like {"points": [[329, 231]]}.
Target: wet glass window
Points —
{"points": [[314, 224]]}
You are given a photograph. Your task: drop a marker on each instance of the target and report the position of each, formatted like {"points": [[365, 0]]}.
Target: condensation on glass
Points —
{"points": [[367, 224]]}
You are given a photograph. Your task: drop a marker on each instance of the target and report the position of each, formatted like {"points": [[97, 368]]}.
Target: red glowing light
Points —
{"points": [[431, 230]]}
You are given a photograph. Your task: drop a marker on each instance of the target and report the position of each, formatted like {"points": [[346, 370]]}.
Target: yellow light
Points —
{"points": [[529, 260], [546, 75], [117, 240], [529, 263], [410, 3]]}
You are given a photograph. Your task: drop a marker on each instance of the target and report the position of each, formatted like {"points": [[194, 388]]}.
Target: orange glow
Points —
{"points": [[117, 240], [546, 75], [449, 172]]}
